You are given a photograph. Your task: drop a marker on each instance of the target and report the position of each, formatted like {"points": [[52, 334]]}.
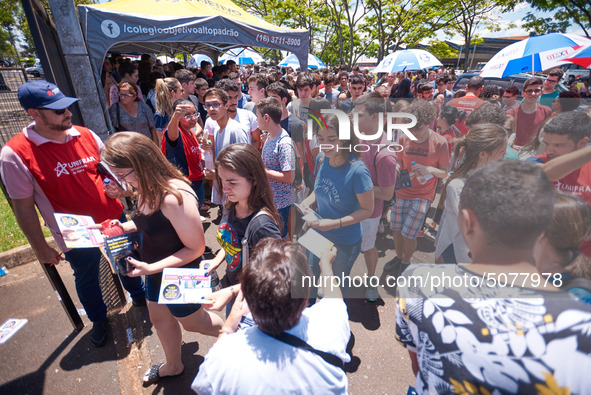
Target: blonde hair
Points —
{"points": [[164, 88]]}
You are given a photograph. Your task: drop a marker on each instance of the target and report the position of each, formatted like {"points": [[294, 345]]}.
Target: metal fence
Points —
{"points": [[12, 116]]}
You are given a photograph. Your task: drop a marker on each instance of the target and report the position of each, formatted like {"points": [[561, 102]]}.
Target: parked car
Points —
{"points": [[574, 71], [36, 70], [505, 82]]}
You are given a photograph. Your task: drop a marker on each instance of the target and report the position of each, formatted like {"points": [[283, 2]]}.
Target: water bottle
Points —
{"points": [[208, 154], [109, 186], [422, 179]]}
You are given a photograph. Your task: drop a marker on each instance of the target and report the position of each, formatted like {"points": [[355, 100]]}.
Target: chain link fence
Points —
{"points": [[12, 116]]}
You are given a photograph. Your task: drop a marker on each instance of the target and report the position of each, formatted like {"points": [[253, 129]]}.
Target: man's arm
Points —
{"points": [[563, 165], [26, 216]]}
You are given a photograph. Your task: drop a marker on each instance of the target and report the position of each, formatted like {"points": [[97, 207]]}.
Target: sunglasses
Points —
{"points": [[56, 112]]}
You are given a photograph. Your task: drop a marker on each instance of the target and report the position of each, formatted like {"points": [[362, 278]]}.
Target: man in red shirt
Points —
{"points": [[470, 102], [431, 156], [530, 114], [563, 134], [53, 165]]}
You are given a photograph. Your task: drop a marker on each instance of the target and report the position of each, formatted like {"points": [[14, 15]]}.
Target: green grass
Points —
{"points": [[10, 233]]}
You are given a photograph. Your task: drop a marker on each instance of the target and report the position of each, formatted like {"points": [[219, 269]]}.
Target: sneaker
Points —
{"points": [[393, 265], [98, 337], [371, 294], [421, 233]]}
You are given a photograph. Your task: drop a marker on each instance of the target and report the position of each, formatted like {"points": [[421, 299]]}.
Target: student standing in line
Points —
{"points": [[167, 214]]}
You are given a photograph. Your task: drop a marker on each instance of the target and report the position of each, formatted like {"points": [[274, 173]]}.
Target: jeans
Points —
{"points": [[199, 190], [85, 262], [284, 214], [341, 266]]}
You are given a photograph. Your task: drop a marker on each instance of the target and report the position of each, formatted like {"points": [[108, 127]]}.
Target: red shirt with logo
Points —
{"points": [[577, 183], [466, 104], [62, 177]]}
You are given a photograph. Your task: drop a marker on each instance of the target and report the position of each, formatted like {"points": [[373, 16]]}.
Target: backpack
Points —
{"points": [[244, 242]]}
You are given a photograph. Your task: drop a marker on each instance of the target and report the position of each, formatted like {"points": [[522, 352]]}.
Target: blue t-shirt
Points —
{"points": [[336, 190]]}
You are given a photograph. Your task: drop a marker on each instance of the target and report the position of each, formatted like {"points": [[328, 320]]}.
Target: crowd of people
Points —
{"points": [[502, 185]]}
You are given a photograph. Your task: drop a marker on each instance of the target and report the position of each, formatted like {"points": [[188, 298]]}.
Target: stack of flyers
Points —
{"points": [[74, 231], [184, 285]]}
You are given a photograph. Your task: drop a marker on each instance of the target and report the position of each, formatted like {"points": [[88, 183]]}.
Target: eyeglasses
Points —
{"points": [[552, 81], [122, 178], [56, 112], [126, 95], [507, 96], [189, 116], [532, 91], [215, 106]]}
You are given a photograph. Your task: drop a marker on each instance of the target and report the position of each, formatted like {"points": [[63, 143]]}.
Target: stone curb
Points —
{"points": [[23, 254]]}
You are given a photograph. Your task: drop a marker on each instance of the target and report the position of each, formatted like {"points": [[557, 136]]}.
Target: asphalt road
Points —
{"points": [[48, 357]]}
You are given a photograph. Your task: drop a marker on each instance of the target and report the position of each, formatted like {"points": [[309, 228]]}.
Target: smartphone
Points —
{"points": [[103, 169]]}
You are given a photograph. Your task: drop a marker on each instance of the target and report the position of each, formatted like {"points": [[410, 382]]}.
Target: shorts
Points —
{"points": [[177, 310], [408, 216], [369, 229]]}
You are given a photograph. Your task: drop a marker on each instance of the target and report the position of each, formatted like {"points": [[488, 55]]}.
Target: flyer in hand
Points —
{"points": [[117, 248], [74, 231], [184, 285]]}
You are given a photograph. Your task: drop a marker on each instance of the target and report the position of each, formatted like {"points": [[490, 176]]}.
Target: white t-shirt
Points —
{"points": [[248, 121], [252, 362], [232, 133], [449, 232]]}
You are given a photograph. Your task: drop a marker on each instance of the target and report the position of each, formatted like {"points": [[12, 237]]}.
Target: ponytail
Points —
{"points": [[163, 90]]}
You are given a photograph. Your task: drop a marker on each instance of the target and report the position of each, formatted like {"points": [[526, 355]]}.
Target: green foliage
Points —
{"points": [[442, 50], [566, 13], [11, 235]]}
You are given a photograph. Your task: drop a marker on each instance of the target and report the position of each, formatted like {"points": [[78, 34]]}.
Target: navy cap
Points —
{"points": [[40, 93]]}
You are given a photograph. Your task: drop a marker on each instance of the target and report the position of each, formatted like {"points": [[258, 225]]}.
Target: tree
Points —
{"points": [[8, 29], [307, 14], [395, 23], [472, 14], [566, 13], [346, 15]]}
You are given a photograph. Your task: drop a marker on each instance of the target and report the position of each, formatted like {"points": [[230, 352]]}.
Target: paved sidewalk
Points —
{"points": [[48, 357]]}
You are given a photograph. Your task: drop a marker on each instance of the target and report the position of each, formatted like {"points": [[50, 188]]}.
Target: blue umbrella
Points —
{"points": [[292, 61], [242, 56], [534, 54], [408, 59], [195, 60]]}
